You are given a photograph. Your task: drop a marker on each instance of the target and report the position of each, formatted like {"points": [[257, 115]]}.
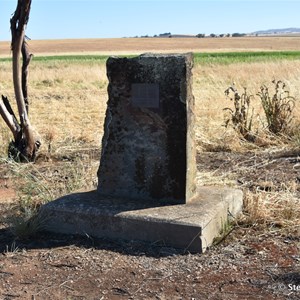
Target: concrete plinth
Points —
{"points": [[191, 226]]}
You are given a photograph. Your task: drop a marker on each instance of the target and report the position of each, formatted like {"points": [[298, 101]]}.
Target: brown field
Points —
{"points": [[139, 45], [257, 260]]}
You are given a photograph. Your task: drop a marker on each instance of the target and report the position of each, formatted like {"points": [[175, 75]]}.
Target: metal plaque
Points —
{"points": [[145, 95]]}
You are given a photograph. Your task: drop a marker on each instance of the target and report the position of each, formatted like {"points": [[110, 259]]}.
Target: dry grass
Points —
{"points": [[68, 102], [274, 209]]}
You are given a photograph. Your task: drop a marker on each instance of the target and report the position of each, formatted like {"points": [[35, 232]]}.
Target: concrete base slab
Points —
{"points": [[191, 226]]}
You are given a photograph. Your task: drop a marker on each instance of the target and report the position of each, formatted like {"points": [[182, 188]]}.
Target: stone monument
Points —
{"points": [[148, 150], [147, 176]]}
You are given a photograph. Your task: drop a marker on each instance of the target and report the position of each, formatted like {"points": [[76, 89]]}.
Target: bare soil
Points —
{"points": [[140, 45], [253, 261]]}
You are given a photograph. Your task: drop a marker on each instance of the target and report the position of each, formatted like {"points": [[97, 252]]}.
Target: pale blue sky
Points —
{"points": [[54, 19]]}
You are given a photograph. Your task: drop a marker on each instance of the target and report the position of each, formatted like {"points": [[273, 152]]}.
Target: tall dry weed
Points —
{"points": [[242, 116], [278, 106]]}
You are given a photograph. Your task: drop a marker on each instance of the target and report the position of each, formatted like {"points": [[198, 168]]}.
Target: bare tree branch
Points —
{"points": [[28, 140], [17, 24], [9, 120], [26, 60], [10, 110], [8, 106]]}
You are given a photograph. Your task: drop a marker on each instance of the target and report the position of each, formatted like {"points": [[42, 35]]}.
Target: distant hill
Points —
{"points": [[277, 31]]}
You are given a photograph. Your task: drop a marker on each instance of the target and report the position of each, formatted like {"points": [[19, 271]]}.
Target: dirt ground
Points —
{"points": [[256, 261]]}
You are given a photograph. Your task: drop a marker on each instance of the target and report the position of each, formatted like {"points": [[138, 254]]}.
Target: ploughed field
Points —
{"points": [[256, 258]]}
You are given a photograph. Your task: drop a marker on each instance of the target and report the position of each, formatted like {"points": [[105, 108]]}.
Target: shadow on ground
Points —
{"points": [[47, 240]]}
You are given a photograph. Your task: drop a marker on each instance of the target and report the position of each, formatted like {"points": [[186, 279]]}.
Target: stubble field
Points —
{"points": [[138, 45], [260, 256]]}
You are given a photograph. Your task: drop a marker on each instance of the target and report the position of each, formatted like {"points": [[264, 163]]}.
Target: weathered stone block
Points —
{"points": [[148, 150]]}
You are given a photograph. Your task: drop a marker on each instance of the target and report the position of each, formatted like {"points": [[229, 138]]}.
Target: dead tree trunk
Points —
{"points": [[26, 140]]}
